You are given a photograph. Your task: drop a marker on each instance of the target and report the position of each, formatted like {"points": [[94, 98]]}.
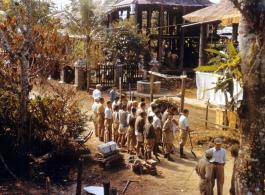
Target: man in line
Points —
{"points": [[165, 115], [153, 109], [112, 93], [115, 103], [150, 108], [97, 92], [149, 138], [95, 115], [116, 123], [141, 101], [131, 139], [160, 107], [134, 105], [101, 117], [120, 102], [125, 101], [184, 131], [175, 123], [204, 171], [139, 128], [141, 109], [167, 137], [108, 123], [123, 115], [158, 130], [234, 154], [129, 105], [217, 166]]}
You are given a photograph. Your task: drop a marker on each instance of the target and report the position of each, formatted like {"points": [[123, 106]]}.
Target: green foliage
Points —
{"points": [[228, 63], [122, 42]]}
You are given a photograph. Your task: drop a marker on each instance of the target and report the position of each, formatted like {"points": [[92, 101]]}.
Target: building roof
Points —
{"points": [[126, 3], [217, 11]]}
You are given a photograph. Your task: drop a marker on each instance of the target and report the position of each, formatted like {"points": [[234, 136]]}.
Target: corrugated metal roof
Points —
{"points": [[164, 2]]}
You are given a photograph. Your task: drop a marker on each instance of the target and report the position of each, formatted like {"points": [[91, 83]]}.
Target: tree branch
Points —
{"points": [[9, 81], [17, 16], [3, 161], [6, 45]]}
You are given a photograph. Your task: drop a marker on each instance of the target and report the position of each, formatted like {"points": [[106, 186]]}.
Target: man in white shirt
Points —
{"points": [[152, 113], [158, 130], [150, 108], [115, 103], [108, 122], [218, 162], [97, 92], [184, 131], [175, 123], [95, 115]]}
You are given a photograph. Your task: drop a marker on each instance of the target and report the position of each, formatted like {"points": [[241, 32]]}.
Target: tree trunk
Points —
{"points": [[250, 167]]}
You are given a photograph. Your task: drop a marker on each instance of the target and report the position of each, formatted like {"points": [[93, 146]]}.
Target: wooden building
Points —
{"points": [[162, 20]]}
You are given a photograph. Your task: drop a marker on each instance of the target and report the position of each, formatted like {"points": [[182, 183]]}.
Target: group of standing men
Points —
{"points": [[123, 119], [211, 168]]}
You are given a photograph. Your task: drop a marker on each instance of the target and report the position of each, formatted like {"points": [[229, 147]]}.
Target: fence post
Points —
{"points": [[88, 80], [119, 72], [120, 87], [183, 86], [152, 86], [79, 176]]}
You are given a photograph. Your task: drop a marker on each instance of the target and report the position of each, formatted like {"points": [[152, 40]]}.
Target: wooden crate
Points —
{"points": [[220, 114], [232, 118]]}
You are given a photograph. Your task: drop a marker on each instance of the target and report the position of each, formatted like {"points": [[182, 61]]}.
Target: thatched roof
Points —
{"points": [[232, 18], [217, 11], [196, 3]]}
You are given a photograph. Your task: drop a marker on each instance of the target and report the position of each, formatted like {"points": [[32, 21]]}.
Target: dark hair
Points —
{"points": [[116, 108], [134, 98], [159, 106], [124, 106], [101, 99], [108, 102], [209, 158], [142, 99], [114, 85], [133, 110], [234, 153], [122, 96], [150, 118], [117, 98], [142, 114], [169, 106], [185, 111], [153, 108], [157, 112], [173, 109], [142, 104]]}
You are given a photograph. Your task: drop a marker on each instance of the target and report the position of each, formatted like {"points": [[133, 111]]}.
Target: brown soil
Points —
{"points": [[171, 175]]}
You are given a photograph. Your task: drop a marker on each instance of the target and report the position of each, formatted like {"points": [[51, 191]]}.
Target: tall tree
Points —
{"points": [[250, 167]]}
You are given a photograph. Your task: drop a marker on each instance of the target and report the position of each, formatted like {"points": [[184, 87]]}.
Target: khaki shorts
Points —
{"points": [[115, 128], [139, 138], [183, 136], [122, 130]]}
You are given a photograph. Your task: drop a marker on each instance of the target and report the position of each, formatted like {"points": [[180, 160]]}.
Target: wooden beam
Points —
{"points": [[182, 43], [201, 47], [161, 21], [234, 32]]}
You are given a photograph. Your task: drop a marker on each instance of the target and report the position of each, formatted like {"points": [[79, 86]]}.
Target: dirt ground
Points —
{"points": [[175, 178]]}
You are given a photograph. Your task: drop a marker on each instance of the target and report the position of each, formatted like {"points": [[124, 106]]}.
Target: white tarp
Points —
{"points": [[205, 81]]}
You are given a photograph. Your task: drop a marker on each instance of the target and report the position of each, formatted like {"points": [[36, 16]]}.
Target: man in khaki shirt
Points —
{"points": [[142, 109], [101, 117], [167, 136], [204, 171]]}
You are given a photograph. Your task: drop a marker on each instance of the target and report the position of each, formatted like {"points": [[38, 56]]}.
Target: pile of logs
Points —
{"points": [[165, 101]]}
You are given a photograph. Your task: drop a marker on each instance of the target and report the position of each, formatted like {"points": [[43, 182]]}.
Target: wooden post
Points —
{"points": [[152, 86], [120, 84], [136, 14], [201, 48], [113, 191], [161, 19], [106, 185], [234, 32], [183, 86], [48, 185], [182, 43], [88, 80], [206, 118], [79, 176]]}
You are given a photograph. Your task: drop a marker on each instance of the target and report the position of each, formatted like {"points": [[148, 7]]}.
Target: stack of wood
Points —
{"points": [[165, 101], [150, 166], [108, 155]]}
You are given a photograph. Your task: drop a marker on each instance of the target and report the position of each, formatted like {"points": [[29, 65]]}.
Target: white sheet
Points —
{"points": [[205, 81]]}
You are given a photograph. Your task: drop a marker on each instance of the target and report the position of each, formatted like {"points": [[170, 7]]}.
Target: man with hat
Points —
{"points": [[97, 92], [95, 115], [112, 93], [234, 154], [204, 171], [218, 162]]}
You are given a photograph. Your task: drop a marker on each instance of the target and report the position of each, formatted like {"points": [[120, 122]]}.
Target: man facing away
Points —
{"points": [[141, 109], [217, 166], [158, 129], [131, 138], [167, 137], [95, 115], [112, 93], [149, 138], [123, 115], [108, 123], [184, 131], [139, 128], [142, 100], [234, 154], [204, 171], [101, 117], [116, 123], [115, 103], [165, 115], [97, 92]]}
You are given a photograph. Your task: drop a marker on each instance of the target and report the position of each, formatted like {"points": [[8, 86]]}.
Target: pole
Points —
{"points": [[130, 89], [106, 185], [120, 89], [183, 86], [207, 113], [152, 86], [79, 176], [48, 185], [201, 48]]}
